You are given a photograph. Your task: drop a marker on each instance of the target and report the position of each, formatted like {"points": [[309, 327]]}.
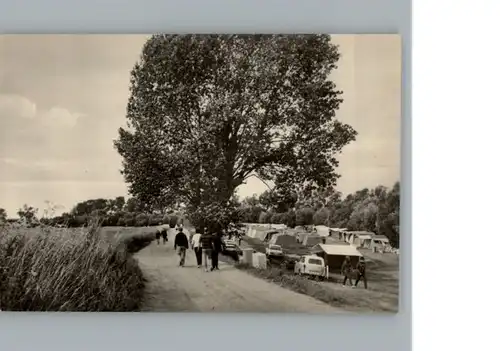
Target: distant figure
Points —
{"points": [[196, 246], [181, 244], [164, 235], [206, 248], [361, 272], [347, 271], [216, 249], [158, 236]]}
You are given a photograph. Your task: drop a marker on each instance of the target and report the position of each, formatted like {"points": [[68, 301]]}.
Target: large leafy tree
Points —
{"points": [[208, 111]]}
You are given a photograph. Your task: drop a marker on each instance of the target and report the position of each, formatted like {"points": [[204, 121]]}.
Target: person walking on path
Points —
{"points": [[347, 270], [158, 236], [181, 244], [217, 248], [196, 246], [164, 235], [206, 247], [361, 272]]}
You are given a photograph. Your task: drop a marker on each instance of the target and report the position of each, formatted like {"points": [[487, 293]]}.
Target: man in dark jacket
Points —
{"points": [[158, 236], [361, 272], [164, 235], [217, 248], [206, 248], [181, 244], [347, 271]]}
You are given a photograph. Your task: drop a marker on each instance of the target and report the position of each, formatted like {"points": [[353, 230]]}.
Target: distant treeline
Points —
{"points": [[111, 212], [120, 219], [375, 210]]}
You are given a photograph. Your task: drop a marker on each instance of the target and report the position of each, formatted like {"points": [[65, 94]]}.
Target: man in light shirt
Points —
{"points": [[196, 246]]}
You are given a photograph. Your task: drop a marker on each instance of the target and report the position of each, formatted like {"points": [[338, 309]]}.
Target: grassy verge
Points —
{"points": [[382, 294], [330, 292], [299, 284], [64, 270]]}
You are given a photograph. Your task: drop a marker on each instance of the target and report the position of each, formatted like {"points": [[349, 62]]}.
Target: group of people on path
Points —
{"points": [[359, 272], [161, 233], [207, 245]]}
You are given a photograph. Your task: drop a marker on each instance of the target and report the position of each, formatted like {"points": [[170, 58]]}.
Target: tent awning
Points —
{"points": [[339, 250]]}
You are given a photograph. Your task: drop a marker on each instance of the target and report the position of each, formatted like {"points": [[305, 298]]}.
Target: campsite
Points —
{"points": [[381, 260]]}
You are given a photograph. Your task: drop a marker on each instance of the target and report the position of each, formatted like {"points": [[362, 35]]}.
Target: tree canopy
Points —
{"points": [[208, 111]]}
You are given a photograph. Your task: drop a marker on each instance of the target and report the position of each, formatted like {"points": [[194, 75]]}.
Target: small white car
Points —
{"points": [[311, 265], [274, 250]]}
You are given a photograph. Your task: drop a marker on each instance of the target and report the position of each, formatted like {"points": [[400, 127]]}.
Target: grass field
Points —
{"points": [[88, 269], [382, 294]]}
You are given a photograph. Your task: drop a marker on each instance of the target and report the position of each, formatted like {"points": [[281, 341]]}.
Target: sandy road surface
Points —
{"points": [[190, 289]]}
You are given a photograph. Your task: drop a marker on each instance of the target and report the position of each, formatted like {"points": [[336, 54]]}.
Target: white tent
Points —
{"points": [[322, 230], [335, 249], [379, 241], [334, 254]]}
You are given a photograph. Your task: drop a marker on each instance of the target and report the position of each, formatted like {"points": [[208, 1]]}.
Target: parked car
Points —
{"points": [[311, 265], [230, 247], [274, 251]]}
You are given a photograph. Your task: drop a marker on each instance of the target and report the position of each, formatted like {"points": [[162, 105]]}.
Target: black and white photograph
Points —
{"points": [[200, 173]]}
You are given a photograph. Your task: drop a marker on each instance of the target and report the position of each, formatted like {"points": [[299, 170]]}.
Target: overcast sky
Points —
{"points": [[63, 97]]}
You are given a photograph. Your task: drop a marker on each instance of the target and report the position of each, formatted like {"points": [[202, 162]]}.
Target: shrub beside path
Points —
{"points": [[190, 289]]}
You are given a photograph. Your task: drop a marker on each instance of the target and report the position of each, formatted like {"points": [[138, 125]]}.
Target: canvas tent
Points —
{"points": [[312, 239], [300, 236], [322, 230], [357, 238], [334, 255], [365, 240], [379, 241], [284, 240], [270, 234], [261, 234], [338, 232], [334, 240], [278, 226], [257, 232]]}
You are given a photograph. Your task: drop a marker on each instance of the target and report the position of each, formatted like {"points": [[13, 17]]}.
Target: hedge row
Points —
{"points": [[124, 219]]}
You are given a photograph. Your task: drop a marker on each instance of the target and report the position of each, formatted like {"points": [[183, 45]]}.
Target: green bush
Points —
{"points": [[80, 221], [290, 219], [265, 217], [321, 217], [305, 216], [278, 218], [141, 220], [155, 220]]}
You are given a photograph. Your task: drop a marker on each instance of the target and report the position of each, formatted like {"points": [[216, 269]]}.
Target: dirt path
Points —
{"points": [[190, 289]]}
